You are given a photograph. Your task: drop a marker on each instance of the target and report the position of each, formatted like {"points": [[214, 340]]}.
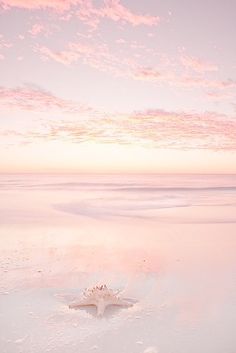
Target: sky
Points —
{"points": [[118, 86]]}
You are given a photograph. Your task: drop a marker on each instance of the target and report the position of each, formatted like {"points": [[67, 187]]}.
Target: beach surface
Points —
{"points": [[167, 242]]}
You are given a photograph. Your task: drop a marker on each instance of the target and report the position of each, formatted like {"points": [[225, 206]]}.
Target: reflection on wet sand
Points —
{"points": [[177, 262]]}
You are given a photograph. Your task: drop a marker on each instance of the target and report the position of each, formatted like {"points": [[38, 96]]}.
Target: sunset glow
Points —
{"points": [[117, 86]]}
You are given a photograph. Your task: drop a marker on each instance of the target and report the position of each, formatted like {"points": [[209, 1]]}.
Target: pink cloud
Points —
{"points": [[30, 98], [181, 80], [191, 81], [197, 64], [147, 73], [57, 5], [115, 11], [65, 57], [120, 41], [89, 14], [86, 11], [151, 128], [177, 130], [95, 55], [100, 57], [36, 29], [4, 44], [222, 95], [154, 128]]}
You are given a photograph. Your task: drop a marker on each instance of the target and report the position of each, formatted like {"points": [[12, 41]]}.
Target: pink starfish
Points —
{"points": [[101, 297]]}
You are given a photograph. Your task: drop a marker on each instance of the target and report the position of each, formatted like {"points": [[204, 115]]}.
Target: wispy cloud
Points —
{"points": [[65, 57], [57, 5], [115, 11], [32, 98], [4, 44], [159, 129], [36, 29], [86, 11], [197, 64], [96, 56], [184, 130], [177, 130], [152, 128], [99, 55], [170, 77], [221, 95]]}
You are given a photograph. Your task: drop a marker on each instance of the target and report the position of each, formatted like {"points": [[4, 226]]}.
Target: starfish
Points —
{"points": [[101, 297]]}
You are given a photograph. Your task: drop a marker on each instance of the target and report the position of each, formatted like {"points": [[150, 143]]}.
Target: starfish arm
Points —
{"points": [[101, 306], [82, 302], [121, 302]]}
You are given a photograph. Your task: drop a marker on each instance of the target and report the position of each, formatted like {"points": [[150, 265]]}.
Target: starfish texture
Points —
{"points": [[101, 297]]}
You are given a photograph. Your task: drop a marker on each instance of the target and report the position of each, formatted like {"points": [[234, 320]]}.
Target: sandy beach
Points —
{"points": [[176, 260]]}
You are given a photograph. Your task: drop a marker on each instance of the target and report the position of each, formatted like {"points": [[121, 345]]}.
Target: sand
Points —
{"points": [[173, 257]]}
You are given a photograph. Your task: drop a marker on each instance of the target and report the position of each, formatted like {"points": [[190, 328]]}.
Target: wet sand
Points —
{"points": [[177, 263]]}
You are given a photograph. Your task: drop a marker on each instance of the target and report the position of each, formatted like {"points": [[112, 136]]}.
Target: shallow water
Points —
{"points": [[167, 241]]}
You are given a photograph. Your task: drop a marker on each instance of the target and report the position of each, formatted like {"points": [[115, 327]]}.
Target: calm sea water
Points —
{"points": [[116, 195]]}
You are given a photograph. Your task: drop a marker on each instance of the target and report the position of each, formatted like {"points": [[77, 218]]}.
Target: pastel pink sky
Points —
{"points": [[117, 86]]}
